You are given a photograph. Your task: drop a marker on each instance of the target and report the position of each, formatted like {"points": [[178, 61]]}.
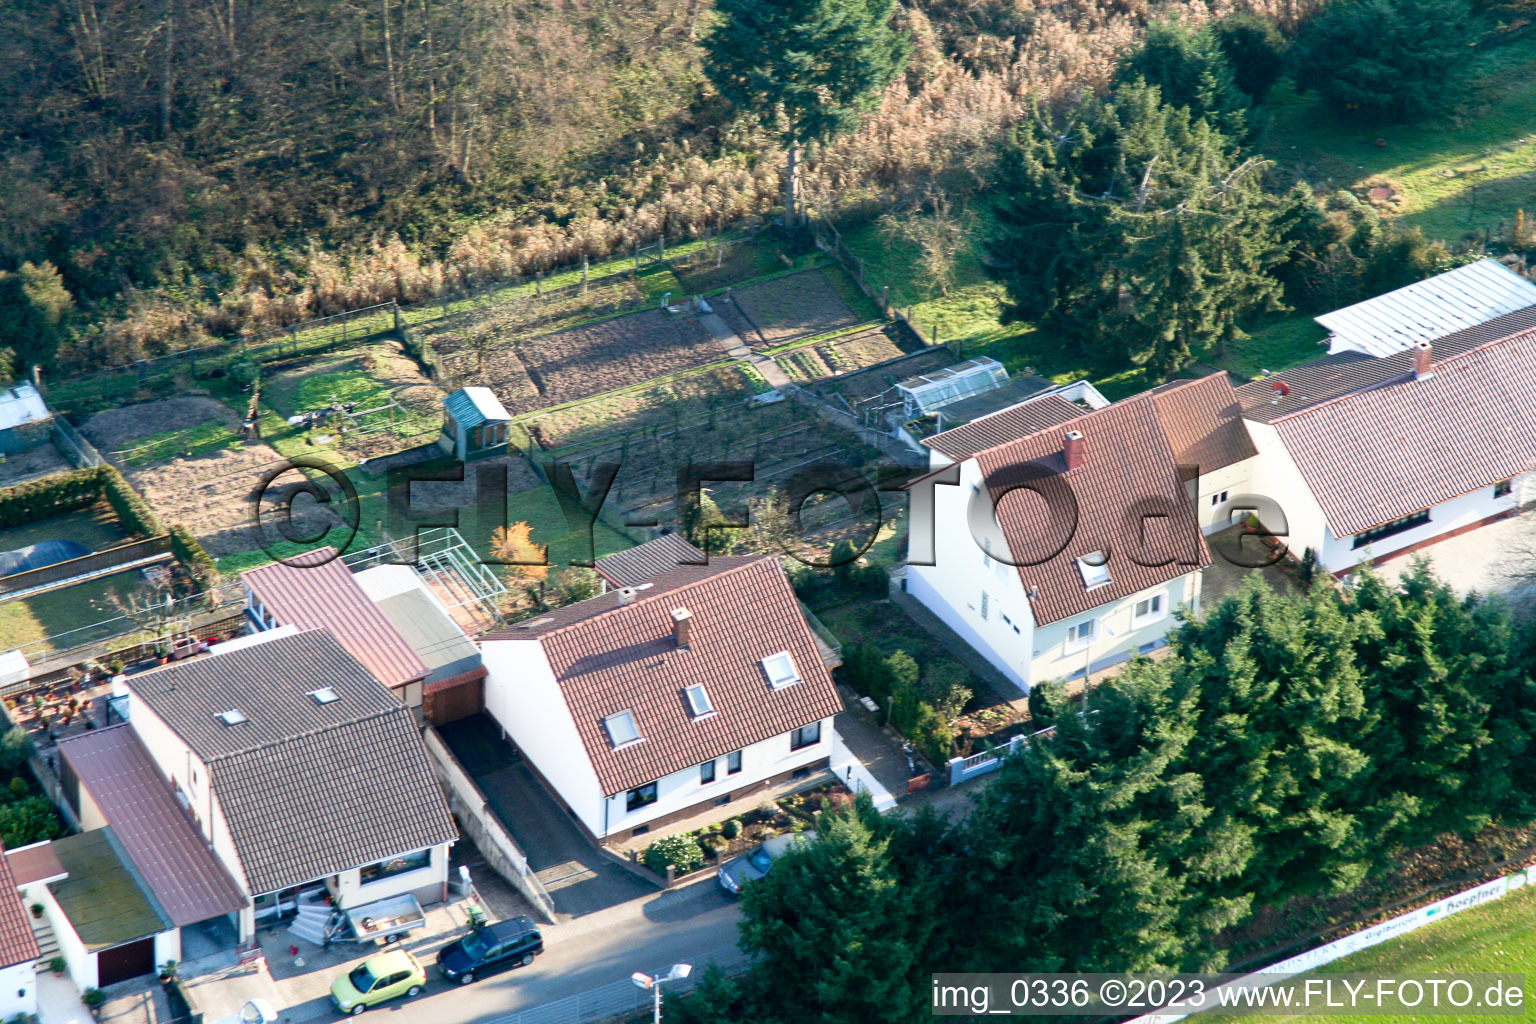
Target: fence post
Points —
{"points": [[538, 283], [583, 275], [634, 271], [661, 247]]}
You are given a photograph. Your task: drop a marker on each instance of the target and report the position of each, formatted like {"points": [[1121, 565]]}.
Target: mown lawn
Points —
{"points": [[1498, 938], [1275, 346], [1455, 176]]}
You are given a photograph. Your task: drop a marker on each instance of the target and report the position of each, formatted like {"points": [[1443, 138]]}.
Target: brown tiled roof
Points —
{"points": [[166, 849], [648, 560], [1129, 467], [1344, 373], [1203, 422], [17, 943], [307, 789], [609, 658], [34, 863], [1376, 455], [318, 592], [1001, 427]]}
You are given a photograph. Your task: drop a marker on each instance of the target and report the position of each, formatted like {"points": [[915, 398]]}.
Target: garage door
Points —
{"points": [[448, 700], [129, 960]]}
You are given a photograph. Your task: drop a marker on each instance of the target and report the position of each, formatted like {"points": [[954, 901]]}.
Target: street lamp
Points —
{"points": [[643, 980]]}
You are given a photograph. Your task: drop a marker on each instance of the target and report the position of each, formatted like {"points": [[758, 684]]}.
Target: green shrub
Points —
{"points": [[681, 852], [731, 829], [15, 749], [19, 788], [93, 997], [28, 821], [190, 554], [58, 965]]}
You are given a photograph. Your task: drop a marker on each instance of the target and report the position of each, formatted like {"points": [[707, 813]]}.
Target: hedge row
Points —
{"points": [[190, 553], [68, 492]]}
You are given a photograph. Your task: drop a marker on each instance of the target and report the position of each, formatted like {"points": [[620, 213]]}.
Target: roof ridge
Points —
{"points": [[751, 561], [294, 737]]}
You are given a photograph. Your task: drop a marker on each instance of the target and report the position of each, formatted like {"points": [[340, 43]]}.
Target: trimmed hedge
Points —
{"points": [[50, 496], [132, 510], [190, 553]]}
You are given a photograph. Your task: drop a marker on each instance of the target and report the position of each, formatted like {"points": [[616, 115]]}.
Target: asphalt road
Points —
{"points": [[680, 926]]}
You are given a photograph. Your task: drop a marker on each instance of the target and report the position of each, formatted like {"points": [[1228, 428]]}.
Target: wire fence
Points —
{"points": [[623, 997]]}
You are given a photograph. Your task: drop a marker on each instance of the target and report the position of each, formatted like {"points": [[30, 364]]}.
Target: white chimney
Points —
{"points": [[626, 596]]}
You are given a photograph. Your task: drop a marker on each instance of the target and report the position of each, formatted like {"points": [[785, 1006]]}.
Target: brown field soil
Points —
{"points": [[786, 309], [660, 407], [212, 495], [847, 354], [865, 384], [584, 361], [44, 460]]}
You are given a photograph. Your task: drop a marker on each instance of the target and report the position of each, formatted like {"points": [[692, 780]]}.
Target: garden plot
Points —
{"points": [[608, 419], [787, 309], [394, 405], [847, 354], [862, 385], [584, 361]]}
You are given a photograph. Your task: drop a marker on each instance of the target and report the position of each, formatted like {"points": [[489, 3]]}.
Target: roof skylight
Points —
{"points": [[621, 728], [324, 695], [698, 701], [234, 716], [780, 669], [1095, 569]]}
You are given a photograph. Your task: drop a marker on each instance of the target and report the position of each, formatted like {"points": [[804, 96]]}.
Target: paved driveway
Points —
{"points": [[580, 878]]}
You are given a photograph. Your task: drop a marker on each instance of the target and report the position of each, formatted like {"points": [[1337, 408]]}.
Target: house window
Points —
{"points": [[1147, 610], [1503, 488], [640, 796], [621, 729], [805, 736], [706, 773], [1081, 634], [780, 669], [733, 762], [1388, 529], [1095, 569], [983, 606], [1217, 499], [396, 866]]}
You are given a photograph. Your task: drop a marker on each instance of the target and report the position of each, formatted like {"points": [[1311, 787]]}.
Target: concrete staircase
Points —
{"points": [[312, 924], [47, 942]]}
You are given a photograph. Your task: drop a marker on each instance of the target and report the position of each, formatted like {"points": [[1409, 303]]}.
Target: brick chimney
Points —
{"points": [[682, 626], [1423, 361], [1074, 449]]}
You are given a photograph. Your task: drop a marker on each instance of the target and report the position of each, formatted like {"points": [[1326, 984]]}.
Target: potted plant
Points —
{"points": [[168, 971], [37, 910], [57, 965], [93, 998], [115, 666]]}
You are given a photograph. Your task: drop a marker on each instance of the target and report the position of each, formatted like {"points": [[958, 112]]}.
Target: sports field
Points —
{"points": [[1497, 938]]}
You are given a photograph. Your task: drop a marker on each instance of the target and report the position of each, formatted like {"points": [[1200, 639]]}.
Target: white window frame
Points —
{"points": [[1076, 640], [1157, 608], [778, 680], [698, 701], [609, 722], [1094, 576]]}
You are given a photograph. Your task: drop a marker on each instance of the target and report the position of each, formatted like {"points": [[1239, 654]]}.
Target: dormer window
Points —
{"points": [[780, 669], [234, 716], [1095, 569], [621, 729], [698, 702]]}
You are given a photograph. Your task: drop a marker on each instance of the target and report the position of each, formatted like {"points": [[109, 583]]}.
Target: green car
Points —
{"points": [[376, 979]]}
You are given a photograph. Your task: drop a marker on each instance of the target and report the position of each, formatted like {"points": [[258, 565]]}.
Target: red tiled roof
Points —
{"points": [[34, 863], [646, 561], [18, 945], [609, 658], [1405, 445], [318, 592], [1129, 469], [1203, 422], [169, 854], [1001, 427]]}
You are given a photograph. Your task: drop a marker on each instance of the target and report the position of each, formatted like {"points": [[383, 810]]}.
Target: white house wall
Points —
{"points": [[1054, 658], [1276, 477], [426, 883], [18, 990], [680, 790], [521, 693], [1233, 480], [951, 588], [82, 966], [1446, 517]]}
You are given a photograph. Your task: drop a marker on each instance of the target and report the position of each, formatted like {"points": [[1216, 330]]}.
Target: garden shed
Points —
{"points": [[474, 423]]}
